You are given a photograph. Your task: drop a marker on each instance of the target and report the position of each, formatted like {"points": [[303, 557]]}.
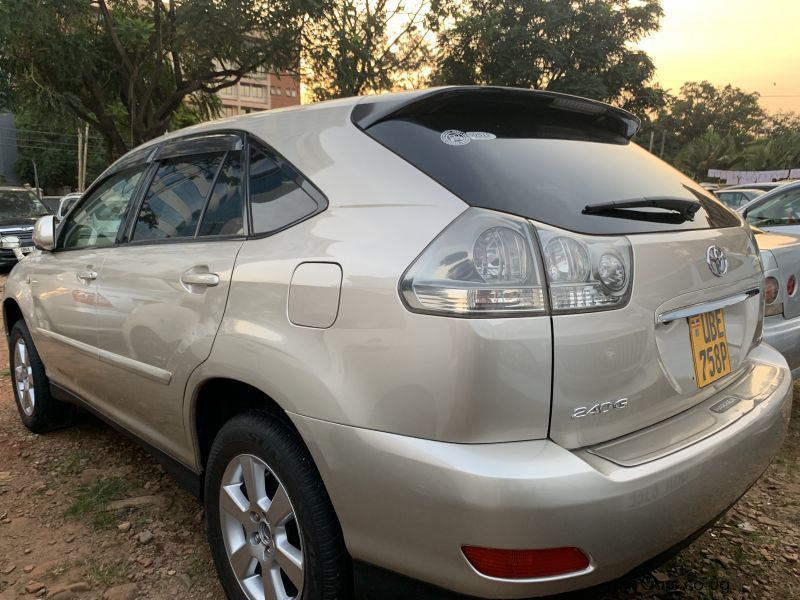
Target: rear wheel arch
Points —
{"points": [[218, 400]]}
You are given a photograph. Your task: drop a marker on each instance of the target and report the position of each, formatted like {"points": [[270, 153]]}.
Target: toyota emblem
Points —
{"points": [[717, 262]]}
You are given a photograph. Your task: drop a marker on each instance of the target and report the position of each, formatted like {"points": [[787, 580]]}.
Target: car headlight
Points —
{"points": [[9, 241]]}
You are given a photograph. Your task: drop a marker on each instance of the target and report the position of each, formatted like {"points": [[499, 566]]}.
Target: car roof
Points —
{"points": [[294, 121], [769, 195]]}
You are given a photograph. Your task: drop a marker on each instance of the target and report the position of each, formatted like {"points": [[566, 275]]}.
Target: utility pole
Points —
{"points": [[652, 135], [85, 157], [663, 137], [80, 157], [36, 180]]}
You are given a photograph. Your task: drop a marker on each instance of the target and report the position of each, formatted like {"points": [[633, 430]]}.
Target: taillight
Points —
{"points": [[585, 273], [489, 264], [771, 292], [526, 564], [484, 264], [791, 286]]}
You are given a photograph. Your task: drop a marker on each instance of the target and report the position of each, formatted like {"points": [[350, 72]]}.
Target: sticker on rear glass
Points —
{"points": [[454, 137], [480, 135]]}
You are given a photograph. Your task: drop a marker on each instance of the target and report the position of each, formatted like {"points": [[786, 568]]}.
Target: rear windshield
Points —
{"points": [[536, 165]]}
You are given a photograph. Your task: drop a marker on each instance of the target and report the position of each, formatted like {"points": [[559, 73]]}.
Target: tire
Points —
{"points": [[39, 411], [289, 530]]}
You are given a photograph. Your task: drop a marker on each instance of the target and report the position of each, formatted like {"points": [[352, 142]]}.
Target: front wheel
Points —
{"points": [[271, 526], [38, 410]]}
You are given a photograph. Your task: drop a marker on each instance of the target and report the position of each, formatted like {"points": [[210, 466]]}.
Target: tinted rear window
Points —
{"points": [[543, 165]]}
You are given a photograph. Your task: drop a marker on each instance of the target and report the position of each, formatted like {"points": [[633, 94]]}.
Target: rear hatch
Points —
{"points": [[675, 262]]}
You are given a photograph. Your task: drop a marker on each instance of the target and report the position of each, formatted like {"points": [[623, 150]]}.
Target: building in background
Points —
{"points": [[8, 149], [260, 90]]}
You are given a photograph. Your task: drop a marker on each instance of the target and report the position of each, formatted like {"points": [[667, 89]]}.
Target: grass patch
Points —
{"points": [[101, 574], [91, 501], [5, 372], [73, 463]]}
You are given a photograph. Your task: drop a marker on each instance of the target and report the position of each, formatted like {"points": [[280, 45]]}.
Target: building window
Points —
{"points": [[257, 91], [245, 90], [276, 91]]}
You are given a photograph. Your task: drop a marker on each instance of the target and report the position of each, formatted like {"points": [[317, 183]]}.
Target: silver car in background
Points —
{"points": [[781, 257], [778, 210], [467, 340]]}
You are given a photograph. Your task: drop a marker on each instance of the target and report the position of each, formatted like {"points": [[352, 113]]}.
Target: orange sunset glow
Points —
{"points": [[751, 45]]}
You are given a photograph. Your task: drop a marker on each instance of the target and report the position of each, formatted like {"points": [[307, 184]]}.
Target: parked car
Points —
{"points": [[465, 339], [765, 186], [777, 211], [781, 257], [65, 204], [736, 198], [19, 209]]}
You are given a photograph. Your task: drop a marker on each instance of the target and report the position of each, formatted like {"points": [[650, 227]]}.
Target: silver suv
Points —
{"points": [[471, 340]]}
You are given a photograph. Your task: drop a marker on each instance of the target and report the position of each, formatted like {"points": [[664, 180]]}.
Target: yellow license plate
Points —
{"points": [[709, 347]]}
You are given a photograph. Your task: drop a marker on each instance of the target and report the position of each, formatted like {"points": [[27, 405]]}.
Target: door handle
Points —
{"points": [[200, 279], [87, 275]]}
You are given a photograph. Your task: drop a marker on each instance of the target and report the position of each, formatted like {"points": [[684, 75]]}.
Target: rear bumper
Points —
{"points": [[409, 504], [784, 335]]}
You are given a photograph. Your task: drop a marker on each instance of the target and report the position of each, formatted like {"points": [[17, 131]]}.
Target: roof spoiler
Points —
{"points": [[374, 109]]}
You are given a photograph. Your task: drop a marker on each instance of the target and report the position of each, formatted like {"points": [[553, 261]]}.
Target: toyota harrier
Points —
{"points": [[474, 340]]}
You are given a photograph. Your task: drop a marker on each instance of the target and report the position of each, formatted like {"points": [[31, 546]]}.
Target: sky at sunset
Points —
{"points": [[752, 44]]}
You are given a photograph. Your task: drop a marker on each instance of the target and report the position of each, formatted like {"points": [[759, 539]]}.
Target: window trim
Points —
{"points": [[152, 158], [157, 160]]}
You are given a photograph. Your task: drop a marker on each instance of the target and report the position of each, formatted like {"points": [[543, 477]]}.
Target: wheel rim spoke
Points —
{"points": [[234, 503], [273, 586], [253, 473], [279, 508], [242, 562], [290, 560]]}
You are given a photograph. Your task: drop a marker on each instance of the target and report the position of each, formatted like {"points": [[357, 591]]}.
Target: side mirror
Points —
{"points": [[44, 233]]}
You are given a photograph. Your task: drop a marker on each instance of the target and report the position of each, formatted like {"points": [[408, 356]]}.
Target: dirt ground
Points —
{"points": [[86, 514]]}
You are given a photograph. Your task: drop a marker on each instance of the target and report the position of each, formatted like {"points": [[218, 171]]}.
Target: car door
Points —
{"points": [[167, 285], [64, 283], [779, 212]]}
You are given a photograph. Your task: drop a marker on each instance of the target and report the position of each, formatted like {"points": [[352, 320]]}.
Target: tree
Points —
{"points": [[48, 135], [711, 150], [772, 153], [583, 48], [358, 46], [700, 107], [126, 67]]}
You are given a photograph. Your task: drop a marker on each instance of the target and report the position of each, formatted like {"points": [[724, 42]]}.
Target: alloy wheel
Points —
{"points": [[23, 377], [261, 532]]}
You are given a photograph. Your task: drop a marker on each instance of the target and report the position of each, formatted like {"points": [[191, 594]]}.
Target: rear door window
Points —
{"points": [[176, 197], [224, 214]]}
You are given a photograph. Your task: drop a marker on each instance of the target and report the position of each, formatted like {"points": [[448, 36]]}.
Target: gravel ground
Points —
{"points": [[86, 514]]}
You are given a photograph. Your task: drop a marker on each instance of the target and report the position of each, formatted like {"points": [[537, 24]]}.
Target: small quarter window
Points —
{"points": [[277, 198], [175, 199]]}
